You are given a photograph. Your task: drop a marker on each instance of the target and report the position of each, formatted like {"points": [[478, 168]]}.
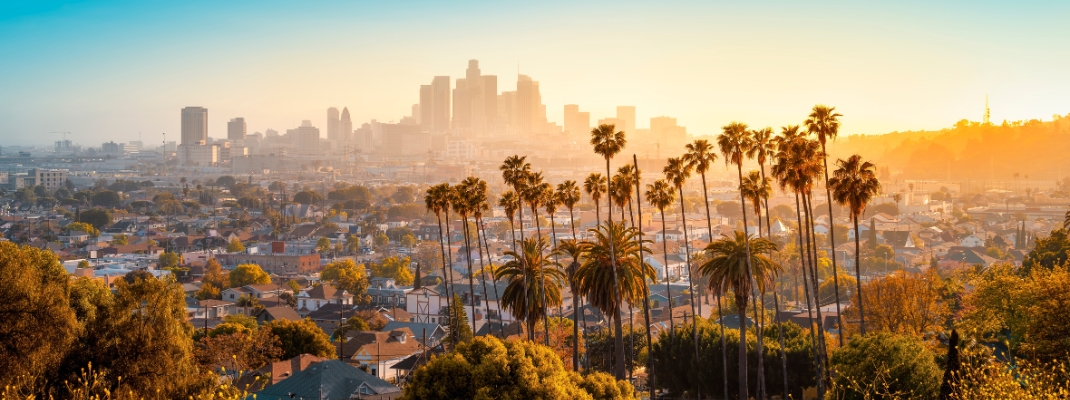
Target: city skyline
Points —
{"points": [[712, 68]]}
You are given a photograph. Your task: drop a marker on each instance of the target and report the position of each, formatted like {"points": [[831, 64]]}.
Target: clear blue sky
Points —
{"points": [[106, 70]]}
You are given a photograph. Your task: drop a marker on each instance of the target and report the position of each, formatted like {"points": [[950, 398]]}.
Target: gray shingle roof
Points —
{"points": [[331, 379]]}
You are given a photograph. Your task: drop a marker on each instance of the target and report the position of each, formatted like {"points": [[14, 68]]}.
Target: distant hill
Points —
{"points": [[1035, 149]]}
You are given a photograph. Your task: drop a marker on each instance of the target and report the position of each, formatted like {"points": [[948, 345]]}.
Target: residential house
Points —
{"points": [[310, 300], [274, 313], [330, 379], [378, 351], [972, 241], [269, 291]]}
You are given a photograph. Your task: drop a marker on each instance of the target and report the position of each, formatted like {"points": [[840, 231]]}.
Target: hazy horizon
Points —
{"points": [[108, 70]]}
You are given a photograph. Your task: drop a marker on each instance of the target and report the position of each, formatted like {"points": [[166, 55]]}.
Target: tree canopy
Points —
{"points": [[248, 274]]}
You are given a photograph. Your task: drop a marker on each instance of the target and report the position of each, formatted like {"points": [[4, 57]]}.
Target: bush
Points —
{"points": [[884, 365]]}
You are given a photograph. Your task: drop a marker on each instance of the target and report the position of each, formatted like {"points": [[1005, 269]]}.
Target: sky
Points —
{"points": [[114, 70]]}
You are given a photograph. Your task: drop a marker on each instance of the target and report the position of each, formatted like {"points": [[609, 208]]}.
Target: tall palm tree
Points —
{"points": [[509, 202], [824, 122], [528, 302], [701, 155], [620, 190], [550, 203], [515, 170], [461, 205], [535, 194], [797, 167], [735, 141], [568, 194], [437, 201], [660, 195], [607, 144], [676, 172], [595, 186], [741, 264], [573, 250], [646, 285], [853, 185], [478, 204], [756, 188]]}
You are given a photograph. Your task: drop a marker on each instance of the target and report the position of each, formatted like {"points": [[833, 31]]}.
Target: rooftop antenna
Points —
{"points": [[987, 112]]}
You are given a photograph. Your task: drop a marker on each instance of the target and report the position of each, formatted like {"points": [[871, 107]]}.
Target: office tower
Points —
{"points": [[345, 125], [525, 108], [627, 115], [462, 107], [404, 140], [236, 129], [194, 125], [475, 96], [490, 98], [507, 108], [618, 124], [306, 138], [416, 113], [665, 131], [576, 123], [332, 125], [427, 108], [440, 90]]}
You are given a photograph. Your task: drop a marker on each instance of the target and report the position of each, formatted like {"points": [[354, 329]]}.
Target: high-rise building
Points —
{"points": [[618, 124], [404, 140], [306, 138], [627, 115], [577, 124], [333, 131], [427, 108], [462, 106], [490, 98], [345, 126], [440, 99], [194, 125], [236, 129], [525, 107], [665, 131], [476, 99]]}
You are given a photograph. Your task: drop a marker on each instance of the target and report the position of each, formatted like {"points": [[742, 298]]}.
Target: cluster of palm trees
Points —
{"points": [[608, 269]]}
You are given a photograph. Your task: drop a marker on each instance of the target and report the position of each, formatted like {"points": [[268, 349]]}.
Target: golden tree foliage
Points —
{"points": [[902, 303], [248, 274], [560, 339], [488, 368], [982, 376]]}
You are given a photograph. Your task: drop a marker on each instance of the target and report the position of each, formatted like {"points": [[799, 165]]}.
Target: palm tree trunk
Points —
{"points": [[741, 306], [665, 268], [832, 245], [750, 277], [494, 277], [776, 301], [575, 305], [618, 339], [553, 238], [483, 272], [448, 281], [646, 287], [858, 278], [442, 246], [471, 273], [804, 261], [690, 285], [542, 284], [523, 259], [812, 243]]}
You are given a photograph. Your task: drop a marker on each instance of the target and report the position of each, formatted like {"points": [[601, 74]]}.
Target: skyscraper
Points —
{"points": [[306, 138], [194, 125], [576, 123], [475, 96], [627, 115], [332, 125], [490, 98], [427, 108], [345, 126], [440, 90], [525, 108], [462, 105], [236, 129]]}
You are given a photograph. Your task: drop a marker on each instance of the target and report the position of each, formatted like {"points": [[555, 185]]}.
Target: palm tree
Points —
{"points": [[573, 250], [437, 201], [854, 184], [741, 264], [735, 142], [532, 264], [515, 172], [509, 202], [550, 204], [608, 143], [676, 172], [478, 204], [568, 194], [646, 285], [461, 204], [756, 188], [595, 186], [620, 191], [660, 195], [701, 155], [824, 121], [796, 167]]}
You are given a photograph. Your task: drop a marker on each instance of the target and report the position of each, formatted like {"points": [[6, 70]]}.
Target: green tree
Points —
{"points": [[347, 275], [1049, 251], [607, 144], [487, 368], [106, 198], [83, 227], [168, 260], [393, 267], [235, 246], [885, 365], [207, 291], [120, 239], [953, 368], [301, 337], [381, 240], [40, 325], [98, 217], [460, 331], [853, 185], [408, 241], [215, 275], [248, 274], [323, 244], [307, 197]]}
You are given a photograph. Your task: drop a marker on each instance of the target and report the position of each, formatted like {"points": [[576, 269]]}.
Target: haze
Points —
{"points": [[106, 71]]}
